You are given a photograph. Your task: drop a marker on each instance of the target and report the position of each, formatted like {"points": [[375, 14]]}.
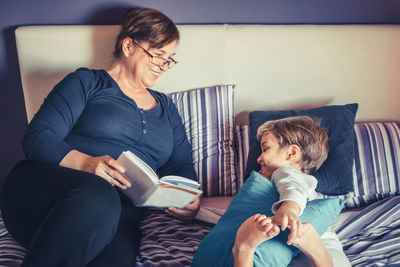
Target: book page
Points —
{"points": [[148, 190], [174, 179], [141, 179], [171, 196], [143, 165]]}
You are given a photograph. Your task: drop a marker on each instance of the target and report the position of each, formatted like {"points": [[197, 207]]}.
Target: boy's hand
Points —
{"points": [[286, 217]]}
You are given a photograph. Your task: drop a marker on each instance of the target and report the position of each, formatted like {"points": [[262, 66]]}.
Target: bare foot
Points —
{"points": [[310, 243], [254, 231], [251, 233]]}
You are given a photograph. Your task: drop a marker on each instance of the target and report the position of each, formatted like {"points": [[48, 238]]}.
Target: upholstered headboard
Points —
{"points": [[273, 66]]}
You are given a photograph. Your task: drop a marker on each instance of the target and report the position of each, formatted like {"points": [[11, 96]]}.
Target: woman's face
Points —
{"points": [[142, 70]]}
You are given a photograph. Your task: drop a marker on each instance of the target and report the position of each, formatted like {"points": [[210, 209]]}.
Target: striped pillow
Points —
{"points": [[242, 149], [207, 114], [376, 168]]}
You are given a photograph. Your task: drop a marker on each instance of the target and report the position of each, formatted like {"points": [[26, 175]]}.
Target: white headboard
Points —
{"points": [[273, 66]]}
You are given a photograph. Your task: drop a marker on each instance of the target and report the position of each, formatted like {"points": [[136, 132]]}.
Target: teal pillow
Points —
{"points": [[257, 196]]}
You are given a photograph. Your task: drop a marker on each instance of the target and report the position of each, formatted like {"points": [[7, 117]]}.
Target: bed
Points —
{"points": [[225, 73]]}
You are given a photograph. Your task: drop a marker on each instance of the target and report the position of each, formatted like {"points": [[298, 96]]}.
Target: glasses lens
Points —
{"points": [[162, 62], [158, 60]]}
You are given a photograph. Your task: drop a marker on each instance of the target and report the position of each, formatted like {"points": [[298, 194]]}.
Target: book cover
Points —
{"points": [[148, 190]]}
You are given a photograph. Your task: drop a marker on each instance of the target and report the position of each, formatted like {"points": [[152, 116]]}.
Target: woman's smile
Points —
{"points": [[155, 73]]}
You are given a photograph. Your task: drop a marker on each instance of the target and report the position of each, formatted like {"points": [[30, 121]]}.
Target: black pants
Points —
{"points": [[66, 217]]}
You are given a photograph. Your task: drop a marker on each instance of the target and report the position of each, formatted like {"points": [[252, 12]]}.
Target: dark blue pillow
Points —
{"points": [[335, 177], [257, 195]]}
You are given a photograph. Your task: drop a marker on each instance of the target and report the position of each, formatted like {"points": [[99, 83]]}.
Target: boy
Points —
{"points": [[292, 148]]}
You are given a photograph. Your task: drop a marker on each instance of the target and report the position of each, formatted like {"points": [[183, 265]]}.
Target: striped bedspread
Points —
{"points": [[168, 241], [11, 254], [372, 238]]}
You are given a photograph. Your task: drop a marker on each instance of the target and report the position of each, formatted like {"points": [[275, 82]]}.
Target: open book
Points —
{"points": [[149, 190]]}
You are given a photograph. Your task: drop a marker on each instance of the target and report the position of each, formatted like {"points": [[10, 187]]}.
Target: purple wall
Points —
{"points": [[15, 13]]}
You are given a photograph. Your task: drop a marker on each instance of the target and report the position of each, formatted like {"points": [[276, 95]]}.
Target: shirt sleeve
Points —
{"points": [[293, 185], [180, 162], [44, 136]]}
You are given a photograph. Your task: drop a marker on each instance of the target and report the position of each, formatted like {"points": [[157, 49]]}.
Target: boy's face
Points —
{"points": [[272, 156]]}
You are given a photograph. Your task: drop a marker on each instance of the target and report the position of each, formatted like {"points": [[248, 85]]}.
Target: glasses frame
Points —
{"points": [[166, 61]]}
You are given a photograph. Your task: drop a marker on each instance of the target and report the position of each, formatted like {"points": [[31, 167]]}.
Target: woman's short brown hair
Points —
{"points": [[146, 25], [304, 132]]}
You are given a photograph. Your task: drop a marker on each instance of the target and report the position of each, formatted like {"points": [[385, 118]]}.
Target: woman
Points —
{"points": [[64, 203]]}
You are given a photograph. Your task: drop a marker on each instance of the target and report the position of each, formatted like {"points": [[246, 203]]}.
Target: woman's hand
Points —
{"points": [[104, 166], [107, 168], [310, 243], [188, 213]]}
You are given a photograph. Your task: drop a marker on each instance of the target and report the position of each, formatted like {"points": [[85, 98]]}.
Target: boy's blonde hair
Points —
{"points": [[304, 132]]}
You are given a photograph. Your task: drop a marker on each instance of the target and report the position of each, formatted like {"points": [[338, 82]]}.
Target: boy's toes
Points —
{"points": [[259, 217], [274, 231]]}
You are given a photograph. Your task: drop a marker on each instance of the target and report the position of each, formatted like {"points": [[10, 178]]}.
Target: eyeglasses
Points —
{"points": [[159, 61]]}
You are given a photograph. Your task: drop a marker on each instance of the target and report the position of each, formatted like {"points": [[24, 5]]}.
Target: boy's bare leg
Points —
{"points": [[310, 243], [255, 230]]}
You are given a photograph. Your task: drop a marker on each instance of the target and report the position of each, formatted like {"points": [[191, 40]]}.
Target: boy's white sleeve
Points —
{"points": [[293, 185]]}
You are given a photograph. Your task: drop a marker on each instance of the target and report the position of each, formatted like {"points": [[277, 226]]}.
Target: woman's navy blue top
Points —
{"points": [[88, 112]]}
